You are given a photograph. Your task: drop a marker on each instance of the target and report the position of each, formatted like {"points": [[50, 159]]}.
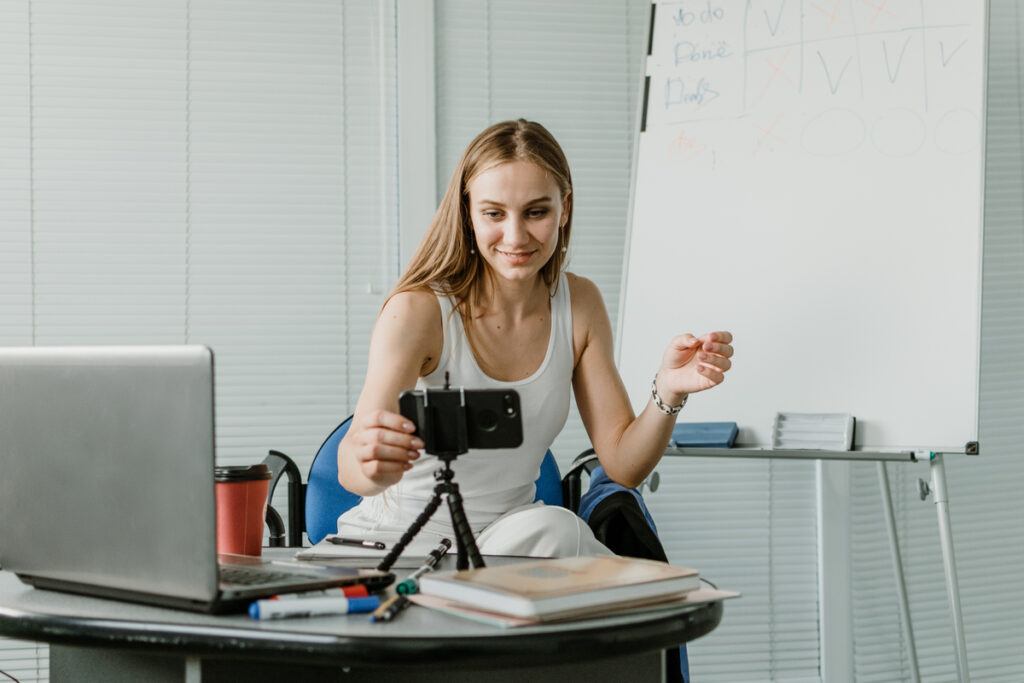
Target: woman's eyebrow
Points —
{"points": [[494, 202]]}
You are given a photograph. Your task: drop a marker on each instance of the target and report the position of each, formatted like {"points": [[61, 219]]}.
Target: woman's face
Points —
{"points": [[516, 209]]}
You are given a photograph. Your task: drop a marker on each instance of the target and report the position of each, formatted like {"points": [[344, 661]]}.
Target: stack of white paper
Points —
{"points": [[813, 431]]}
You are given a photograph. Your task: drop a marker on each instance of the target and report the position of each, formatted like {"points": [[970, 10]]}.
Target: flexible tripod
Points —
{"points": [[465, 544], [442, 420]]}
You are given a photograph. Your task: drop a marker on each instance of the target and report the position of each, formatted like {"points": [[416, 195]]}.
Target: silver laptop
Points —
{"points": [[106, 481]]}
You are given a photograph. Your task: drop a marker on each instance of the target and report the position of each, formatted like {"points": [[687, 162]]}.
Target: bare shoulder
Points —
{"points": [[586, 297], [412, 307], [410, 322], [590, 323], [584, 292]]}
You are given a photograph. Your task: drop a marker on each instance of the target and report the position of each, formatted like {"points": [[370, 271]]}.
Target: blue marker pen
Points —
{"points": [[311, 607]]}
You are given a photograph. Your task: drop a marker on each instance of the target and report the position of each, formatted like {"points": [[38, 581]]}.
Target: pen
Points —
{"points": [[311, 607], [390, 609], [359, 591], [338, 540], [411, 585]]}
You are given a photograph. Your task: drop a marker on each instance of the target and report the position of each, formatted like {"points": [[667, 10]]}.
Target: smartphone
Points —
{"points": [[451, 421]]}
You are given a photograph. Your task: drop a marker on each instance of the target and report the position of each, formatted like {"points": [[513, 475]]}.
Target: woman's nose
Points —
{"points": [[515, 231]]}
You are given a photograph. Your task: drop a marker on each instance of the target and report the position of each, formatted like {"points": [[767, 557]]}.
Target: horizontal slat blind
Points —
{"points": [[371, 177], [23, 660], [109, 183], [15, 175], [749, 526], [291, 196]]}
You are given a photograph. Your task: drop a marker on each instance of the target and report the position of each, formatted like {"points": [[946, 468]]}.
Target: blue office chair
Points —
{"points": [[315, 506]]}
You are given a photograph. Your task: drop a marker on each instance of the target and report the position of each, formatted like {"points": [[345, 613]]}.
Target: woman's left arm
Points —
{"points": [[629, 446]]}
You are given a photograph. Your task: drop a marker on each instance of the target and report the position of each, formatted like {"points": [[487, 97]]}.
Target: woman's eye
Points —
{"points": [[492, 214], [536, 213]]}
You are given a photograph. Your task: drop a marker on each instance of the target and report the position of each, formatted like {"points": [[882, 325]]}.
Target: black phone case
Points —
{"points": [[490, 418]]}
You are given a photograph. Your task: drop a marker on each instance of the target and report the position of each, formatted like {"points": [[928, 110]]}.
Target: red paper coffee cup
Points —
{"points": [[241, 508]]}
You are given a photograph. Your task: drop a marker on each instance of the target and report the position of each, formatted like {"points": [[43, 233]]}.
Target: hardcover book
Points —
{"points": [[694, 598], [552, 586]]}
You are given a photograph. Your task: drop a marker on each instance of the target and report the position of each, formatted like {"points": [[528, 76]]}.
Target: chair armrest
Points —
{"points": [[276, 526], [280, 464], [572, 486]]}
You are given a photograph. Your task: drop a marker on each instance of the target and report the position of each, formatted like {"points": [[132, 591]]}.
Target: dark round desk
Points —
{"points": [[97, 639]]}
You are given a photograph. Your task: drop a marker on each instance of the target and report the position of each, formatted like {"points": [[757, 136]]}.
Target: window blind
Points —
{"points": [[292, 197], [576, 68], [216, 172], [15, 177]]}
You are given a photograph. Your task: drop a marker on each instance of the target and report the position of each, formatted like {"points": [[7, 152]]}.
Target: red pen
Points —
{"points": [[333, 592]]}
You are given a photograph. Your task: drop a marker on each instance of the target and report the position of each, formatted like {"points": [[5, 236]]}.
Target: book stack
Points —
{"points": [[562, 589]]}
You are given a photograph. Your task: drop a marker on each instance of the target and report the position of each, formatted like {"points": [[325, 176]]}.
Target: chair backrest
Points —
{"points": [[326, 500], [549, 483]]}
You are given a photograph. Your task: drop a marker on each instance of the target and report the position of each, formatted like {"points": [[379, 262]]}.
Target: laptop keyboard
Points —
{"points": [[251, 576]]}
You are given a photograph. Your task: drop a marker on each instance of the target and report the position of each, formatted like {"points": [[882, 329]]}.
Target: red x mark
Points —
{"points": [[769, 134], [832, 16], [878, 10], [777, 71]]}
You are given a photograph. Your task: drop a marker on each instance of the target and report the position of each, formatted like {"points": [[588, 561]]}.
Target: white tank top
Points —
{"points": [[491, 481]]}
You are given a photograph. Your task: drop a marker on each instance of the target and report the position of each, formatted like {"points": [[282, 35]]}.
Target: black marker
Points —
{"points": [[390, 609], [338, 540]]}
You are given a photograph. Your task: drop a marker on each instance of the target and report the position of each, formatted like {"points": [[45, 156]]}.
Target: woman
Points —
{"points": [[486, 300]]}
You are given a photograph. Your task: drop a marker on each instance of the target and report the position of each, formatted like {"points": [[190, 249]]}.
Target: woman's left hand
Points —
{"points": [[692, 364]]}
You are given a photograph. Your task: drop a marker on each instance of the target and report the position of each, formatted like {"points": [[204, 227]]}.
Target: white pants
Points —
{"points": [[534, 530], [539, 530]]}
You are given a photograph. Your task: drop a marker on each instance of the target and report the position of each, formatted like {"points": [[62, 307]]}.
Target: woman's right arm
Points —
{"points": [[379, 446]]}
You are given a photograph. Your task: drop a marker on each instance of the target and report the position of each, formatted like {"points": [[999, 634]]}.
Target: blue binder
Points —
{"points": [[704, 434]]}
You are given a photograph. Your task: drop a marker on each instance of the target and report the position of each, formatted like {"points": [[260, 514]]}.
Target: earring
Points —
{"points": [[472, 250]]}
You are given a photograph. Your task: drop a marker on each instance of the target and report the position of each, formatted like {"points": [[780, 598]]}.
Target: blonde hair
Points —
{"points": [[444, 260]]}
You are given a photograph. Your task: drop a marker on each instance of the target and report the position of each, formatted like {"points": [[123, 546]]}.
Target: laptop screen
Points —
{"points": [[106, 463]]}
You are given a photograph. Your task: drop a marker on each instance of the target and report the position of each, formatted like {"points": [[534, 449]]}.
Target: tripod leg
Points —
{"points": [[463, 533], [461, 558], [410, 533]]}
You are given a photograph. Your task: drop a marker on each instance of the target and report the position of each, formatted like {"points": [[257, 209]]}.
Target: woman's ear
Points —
{"points": [[566, 205]]}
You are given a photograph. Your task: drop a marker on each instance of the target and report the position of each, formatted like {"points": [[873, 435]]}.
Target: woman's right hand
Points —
{"points": [[382, 445]]}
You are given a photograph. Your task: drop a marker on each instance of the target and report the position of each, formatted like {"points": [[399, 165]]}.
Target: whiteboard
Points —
{"points": [[809, 177]]}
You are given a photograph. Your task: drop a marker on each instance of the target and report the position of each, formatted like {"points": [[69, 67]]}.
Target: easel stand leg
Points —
{"points": [[897, 565], [938, 471]]}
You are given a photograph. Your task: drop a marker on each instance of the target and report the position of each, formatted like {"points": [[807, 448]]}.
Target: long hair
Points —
{"points": [[444, 260]]}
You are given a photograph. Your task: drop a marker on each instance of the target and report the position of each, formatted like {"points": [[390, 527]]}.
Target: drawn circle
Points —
{"points": [[899, 133], [956, 132], [832, 133]]}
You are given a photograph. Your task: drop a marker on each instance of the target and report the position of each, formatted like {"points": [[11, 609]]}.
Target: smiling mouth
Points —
{"points": [[516, 254]]}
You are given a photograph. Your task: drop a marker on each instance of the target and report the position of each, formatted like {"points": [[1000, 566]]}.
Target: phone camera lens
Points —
{"points": [[487, 420], [510, 405]]}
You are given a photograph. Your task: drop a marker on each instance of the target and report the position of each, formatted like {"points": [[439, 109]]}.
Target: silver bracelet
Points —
{"points": [[668, 410]]}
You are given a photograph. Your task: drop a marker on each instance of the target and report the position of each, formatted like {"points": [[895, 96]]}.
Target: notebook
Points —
{"points": [[106, 481], [565, 586]]}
